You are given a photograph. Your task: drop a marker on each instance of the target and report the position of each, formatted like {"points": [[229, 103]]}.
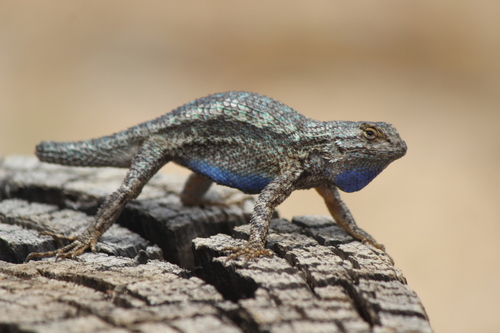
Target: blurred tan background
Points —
{"points": [[73, 70]]}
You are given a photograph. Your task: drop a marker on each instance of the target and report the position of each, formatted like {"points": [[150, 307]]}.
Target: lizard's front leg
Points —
{"points": [[343, 216], [150, 158], [270, 197]]}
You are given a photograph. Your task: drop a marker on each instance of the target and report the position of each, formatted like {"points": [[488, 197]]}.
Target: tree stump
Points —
{"points": [[162, 268]]}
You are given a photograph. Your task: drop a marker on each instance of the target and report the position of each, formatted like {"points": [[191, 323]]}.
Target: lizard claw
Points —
{"points": [[250, 250], [77, 246]]}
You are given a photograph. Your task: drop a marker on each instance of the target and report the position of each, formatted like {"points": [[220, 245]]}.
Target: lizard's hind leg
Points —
{"points": [[194, 189], [152, 155]]}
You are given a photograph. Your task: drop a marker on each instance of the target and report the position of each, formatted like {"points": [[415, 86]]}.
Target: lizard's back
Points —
{"points": [[233, 109]]}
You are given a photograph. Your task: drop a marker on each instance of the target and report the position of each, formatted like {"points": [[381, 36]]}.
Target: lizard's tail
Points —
{"points": [[101, 152]]}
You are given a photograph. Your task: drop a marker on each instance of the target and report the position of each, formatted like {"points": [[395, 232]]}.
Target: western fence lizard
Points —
{"points": [[242, 140]]}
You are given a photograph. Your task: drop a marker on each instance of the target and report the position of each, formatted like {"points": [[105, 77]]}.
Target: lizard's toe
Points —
{"points": [[71, 250], [76, 247], [373, 243]]}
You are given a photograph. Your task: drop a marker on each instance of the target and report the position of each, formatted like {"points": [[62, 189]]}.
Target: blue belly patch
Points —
{"points": [[246, 182], [353, 180]]}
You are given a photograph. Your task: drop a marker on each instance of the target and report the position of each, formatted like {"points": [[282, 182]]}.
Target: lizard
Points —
{"points": [[242, 140]]}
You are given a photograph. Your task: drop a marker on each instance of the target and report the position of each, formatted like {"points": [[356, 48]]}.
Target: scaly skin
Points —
{"points": [[242, 140]]}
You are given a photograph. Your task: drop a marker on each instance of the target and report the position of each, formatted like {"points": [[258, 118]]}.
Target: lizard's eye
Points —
{"points": [[370, 133]]}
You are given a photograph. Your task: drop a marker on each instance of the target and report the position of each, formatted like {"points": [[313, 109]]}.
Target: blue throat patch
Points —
{"points": [[246, 182], [355, 179]]}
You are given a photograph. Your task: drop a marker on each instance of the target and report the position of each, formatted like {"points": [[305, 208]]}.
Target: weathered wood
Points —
{"points": [[105, 293], [157, 215], [313, 286], [320, 280], [22, 221]]}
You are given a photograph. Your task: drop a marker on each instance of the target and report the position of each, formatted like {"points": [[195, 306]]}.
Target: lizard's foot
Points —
{"points": [[77, 246], [374, 243], [250, 250], [360, 235]]}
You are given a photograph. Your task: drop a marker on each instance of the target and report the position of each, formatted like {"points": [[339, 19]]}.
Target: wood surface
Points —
{"points": [[161, 268]]}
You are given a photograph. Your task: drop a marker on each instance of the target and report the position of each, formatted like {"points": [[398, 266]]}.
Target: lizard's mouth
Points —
{"points": [[383, 153]]}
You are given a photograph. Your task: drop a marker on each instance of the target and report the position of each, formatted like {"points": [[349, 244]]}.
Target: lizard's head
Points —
{"points": [[361, 151]]}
